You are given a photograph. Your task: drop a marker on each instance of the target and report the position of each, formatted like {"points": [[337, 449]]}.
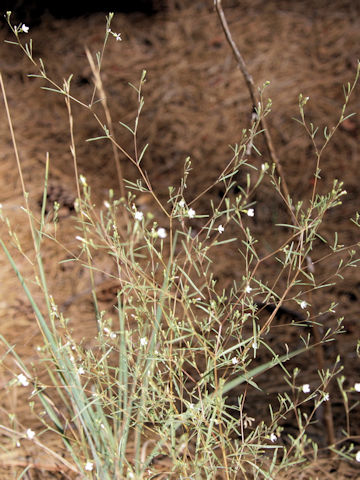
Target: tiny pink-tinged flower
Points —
{"points": [[24, 28]]}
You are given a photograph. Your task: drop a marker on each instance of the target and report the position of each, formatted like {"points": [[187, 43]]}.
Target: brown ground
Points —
{"points": [[196, 104]]}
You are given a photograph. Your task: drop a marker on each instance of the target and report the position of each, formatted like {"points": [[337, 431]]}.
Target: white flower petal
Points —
{"points": [[30, 434], [273, 437], [23, 380], [306, 388], [191, 213], [162, 232], [89, 466], [143, 341]]}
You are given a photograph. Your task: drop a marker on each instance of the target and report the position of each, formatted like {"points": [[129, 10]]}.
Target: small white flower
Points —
{"points": [[273, 437], [358, 456], [326, 397], [83, 180], [248, 289], [234, 361], [250, 212], [191, 406], [24, 28], [143, 341], [254, 346], [220, 229], [162, 232], [30, 434], [191, 213], [118, 37], [81, 371], [89, 466], [106, 204], [113, 335], [79, 238], [18, 444], [306, 388], [139, 216], [23, 380], [303, 304], [357, 387], [182, 203]]}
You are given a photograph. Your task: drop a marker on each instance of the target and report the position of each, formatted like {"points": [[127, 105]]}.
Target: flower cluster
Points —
{"points": [[117, 36]]}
